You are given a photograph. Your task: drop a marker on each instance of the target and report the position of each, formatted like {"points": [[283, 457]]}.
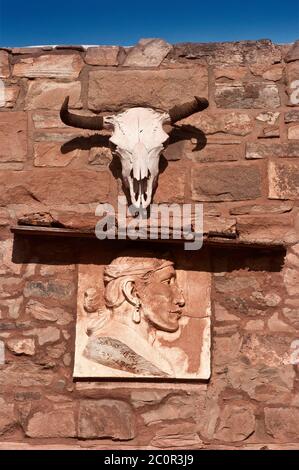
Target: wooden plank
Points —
{"points": [[36, 230], [50, 231]]}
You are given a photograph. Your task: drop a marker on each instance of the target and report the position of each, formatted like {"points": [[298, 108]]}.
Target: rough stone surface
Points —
{"points": [[234, 123], [7, 417], [47, 120], [55, 187], [293, 53], [49, 94], [171, 185], [224, 73], [24, 375], [276, 324], [56, 423], [104, 55], [222, 314], [21, 346], [42, 312], [282, 423], [226, 348], [215, 226], [283, 180], [279, 208], [158, 88], [216, 153], [59, 289], [13, 306], [274, 73], [13, 136], [49, 154], [269, 132], [140, 398], [231, 53], [225, 183], [253, 95], [256, 150], [261, 383], [176, 436], [269, 117], [291, 116], [7, 266], [147, 53], [100, 156], [50, 66], [4, 64], [174, 408], [237, 423], [255, 325], [291, 314], [11, 93], [292, 72], [10, 286], [291, 279], [106, 419], [51, 334], [293, 132], [264, 229]]}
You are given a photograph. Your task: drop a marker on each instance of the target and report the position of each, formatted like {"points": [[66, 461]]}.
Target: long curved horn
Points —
{"points": [[184, 110], [95, 123]]}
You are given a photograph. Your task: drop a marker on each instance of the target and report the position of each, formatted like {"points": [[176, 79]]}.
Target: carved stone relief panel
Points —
{"points": [[143, 316]]}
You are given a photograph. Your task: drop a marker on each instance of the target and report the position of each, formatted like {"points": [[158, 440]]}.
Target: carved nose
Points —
{"points": [[179, 299]]}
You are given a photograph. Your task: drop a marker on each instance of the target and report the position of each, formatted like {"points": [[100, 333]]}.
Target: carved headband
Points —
{"points": [[125, 269]]}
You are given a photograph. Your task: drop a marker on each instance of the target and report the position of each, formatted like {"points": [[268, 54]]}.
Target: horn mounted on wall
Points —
{"points": [[138, 138], [96, 123]]}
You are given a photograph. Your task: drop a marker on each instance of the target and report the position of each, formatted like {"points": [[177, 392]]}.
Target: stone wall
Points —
{"points": [[243, 165]]}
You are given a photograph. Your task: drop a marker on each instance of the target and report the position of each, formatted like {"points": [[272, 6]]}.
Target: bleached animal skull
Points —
{"points": [[138, 139]]}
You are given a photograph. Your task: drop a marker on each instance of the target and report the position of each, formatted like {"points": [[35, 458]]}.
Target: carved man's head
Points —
{"points": [[138, 139], [149, 285]]}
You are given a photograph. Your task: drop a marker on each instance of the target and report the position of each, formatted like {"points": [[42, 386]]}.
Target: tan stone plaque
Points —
{"points": [[143, 316]]}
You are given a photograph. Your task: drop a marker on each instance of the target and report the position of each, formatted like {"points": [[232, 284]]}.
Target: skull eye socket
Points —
{"points": [[122, 153]]}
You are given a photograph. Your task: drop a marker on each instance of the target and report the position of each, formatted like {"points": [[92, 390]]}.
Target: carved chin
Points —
{"points": [[141, 192]]}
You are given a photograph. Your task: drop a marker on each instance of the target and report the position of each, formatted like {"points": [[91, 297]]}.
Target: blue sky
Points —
{"points": [[24, 23]]}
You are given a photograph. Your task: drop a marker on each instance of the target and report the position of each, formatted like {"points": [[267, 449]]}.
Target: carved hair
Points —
{"points": [[129, 268]]}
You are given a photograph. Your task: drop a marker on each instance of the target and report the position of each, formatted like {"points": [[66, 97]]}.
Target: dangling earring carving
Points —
{"points": [[136, 314]]}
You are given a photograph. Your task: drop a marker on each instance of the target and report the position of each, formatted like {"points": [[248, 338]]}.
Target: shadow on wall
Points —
{"points": [[63, 251], [177, 134]]}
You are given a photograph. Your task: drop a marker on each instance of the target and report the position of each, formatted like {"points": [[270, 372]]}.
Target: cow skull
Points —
{"points": [[138, 139]]}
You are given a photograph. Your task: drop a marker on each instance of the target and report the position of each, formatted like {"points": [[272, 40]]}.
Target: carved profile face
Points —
{"points": [[132, 321], [162, 300], [147, 283]]}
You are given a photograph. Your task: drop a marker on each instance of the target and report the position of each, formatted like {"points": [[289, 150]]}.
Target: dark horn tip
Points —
{"points": [[64, 107], [202, 103]]}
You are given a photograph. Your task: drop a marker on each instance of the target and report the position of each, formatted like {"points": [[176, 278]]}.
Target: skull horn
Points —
{"points": [[95, 123], [184, 110]]}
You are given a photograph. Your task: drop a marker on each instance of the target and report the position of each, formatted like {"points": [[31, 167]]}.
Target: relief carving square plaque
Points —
{"points": [[144, 315]]}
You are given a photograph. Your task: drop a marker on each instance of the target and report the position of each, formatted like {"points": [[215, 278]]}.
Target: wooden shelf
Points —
{"points": [[51, 231], [35, 230]]}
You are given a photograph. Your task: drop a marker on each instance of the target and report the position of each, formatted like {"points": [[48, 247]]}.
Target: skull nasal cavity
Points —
{"points": [[140, 161]]}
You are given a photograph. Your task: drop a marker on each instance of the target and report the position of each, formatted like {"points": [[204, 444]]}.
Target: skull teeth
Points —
{"points": [[139, 193]]}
